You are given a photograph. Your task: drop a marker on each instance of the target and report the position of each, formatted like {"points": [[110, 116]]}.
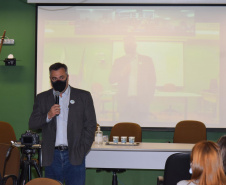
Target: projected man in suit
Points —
{"points": [[68, 128], [135, 79]]}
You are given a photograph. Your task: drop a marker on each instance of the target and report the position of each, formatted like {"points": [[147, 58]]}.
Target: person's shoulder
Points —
{"points": [[45, 93], [79, 91], [186, 182], [121, 59], [144, 57], [183, 182]]}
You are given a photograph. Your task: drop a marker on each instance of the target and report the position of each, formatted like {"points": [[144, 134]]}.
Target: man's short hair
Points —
{"points": [[57, 66]]}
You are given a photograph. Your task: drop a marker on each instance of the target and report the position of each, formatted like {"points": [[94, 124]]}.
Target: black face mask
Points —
{"points": [[59, 85]]}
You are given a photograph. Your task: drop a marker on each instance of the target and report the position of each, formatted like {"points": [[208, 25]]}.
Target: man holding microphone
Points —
{"points": [[68, 127]]}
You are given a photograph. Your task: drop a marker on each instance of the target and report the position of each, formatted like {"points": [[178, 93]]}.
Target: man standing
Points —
{"points": [[68, 127], [135, 78]]}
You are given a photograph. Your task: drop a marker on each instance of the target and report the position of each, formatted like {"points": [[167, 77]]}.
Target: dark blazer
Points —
{"points": [[146, 79], [80, 129]]}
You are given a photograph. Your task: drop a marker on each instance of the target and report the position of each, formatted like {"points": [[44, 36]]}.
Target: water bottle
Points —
{"points": [[99, 136]]}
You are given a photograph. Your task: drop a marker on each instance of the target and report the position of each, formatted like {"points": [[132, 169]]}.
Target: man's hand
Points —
{"points": [[55, 110]]}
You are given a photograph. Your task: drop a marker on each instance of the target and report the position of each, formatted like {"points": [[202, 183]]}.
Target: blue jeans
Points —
{"points": [[62, 170]]}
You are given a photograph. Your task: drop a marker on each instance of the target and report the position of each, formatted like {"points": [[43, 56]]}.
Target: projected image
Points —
{"points": [[134, 78], [152, 65]]}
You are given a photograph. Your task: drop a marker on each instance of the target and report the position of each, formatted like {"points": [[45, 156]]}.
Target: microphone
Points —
{"points": [[57, 94]]}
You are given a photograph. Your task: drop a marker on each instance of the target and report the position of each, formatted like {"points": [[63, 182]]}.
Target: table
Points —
{"points": [[143, 156], [184, 95]]}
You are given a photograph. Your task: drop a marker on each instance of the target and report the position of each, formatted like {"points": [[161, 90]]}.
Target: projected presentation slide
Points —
{"points": [[152, 65]]}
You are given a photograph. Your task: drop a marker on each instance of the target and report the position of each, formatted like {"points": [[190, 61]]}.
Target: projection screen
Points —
{"points": [[152, 65]]}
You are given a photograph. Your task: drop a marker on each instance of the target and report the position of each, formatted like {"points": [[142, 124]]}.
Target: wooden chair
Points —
{"points": [[189, 131], [123, 129], [126, 129], [9, 164], [7, 133], [43, 181]]}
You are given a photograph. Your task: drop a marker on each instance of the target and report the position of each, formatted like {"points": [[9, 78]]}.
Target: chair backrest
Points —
{"points": [[12, 164], [189, 131], [43, 181], [7, 133], [177, 168], [126, 129]]}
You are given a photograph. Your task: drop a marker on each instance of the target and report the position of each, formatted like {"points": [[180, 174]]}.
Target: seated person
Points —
{"points": [[222, 144], [206, 165]]}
